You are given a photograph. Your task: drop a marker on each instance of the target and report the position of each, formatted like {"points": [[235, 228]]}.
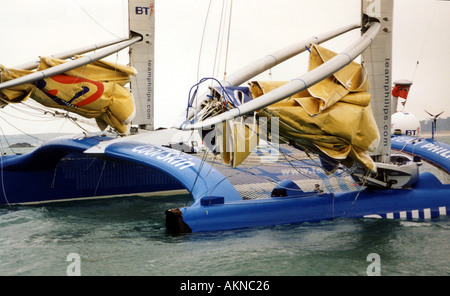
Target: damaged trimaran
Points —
{"points": [[309, 116]]}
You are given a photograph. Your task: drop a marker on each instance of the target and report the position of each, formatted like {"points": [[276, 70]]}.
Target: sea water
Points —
{"points": [[127, 236]]}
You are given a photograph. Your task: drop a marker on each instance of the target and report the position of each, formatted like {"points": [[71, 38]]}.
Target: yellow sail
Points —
{"points": [[237, 140], [332, 118], [93, 91]]}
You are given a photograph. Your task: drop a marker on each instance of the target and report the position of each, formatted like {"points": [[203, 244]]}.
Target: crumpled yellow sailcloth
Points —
{"points": [[93, 91], [332, 118], [237, 139]]}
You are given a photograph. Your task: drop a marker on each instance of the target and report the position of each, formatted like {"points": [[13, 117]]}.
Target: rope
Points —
{"points": [[192, 97], [202, 163], [363, 184]]}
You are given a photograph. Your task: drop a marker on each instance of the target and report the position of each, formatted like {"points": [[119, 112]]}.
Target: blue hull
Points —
{"points": [[59, 171], [428, 199], [433, 151]]}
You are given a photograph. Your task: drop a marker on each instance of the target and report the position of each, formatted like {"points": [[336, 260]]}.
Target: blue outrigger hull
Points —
{"points": [[429, 198], [60, 171], [432, 151]]}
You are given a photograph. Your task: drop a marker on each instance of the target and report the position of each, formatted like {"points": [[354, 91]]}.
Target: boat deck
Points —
{"points": [[257, 176]]}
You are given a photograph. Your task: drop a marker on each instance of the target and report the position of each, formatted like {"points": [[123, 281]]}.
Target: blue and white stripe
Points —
{"points": [[426, 213]]}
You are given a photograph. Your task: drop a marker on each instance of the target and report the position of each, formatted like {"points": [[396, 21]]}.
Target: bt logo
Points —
{"points": [[145, 10]]}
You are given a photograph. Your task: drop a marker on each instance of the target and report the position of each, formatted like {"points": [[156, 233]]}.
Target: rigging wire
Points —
{"points": [[23, 132], [363, 184], [249, 170], [125, 9], [219, 41], [424, 42], [203, 39], [56, 116], [220, 38], [1, 168], [191, 98], [202, 163], [3, 180], [100, 177], [39, 117], [219, 34], [94, 20], [43, 113], [67, 115], [228, 42]]}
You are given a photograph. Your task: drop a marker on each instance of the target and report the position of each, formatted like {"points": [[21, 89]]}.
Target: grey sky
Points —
{"points": [[32, 28]]}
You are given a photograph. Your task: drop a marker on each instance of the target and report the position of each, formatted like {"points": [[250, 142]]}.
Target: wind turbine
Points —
{"points": [[433, 124]]}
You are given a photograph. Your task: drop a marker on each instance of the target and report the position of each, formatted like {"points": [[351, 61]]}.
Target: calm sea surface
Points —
{"points": [[127, 236]]}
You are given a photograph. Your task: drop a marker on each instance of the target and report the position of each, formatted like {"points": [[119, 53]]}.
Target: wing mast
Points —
{"points": [[141, 15], [378, 62]]}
